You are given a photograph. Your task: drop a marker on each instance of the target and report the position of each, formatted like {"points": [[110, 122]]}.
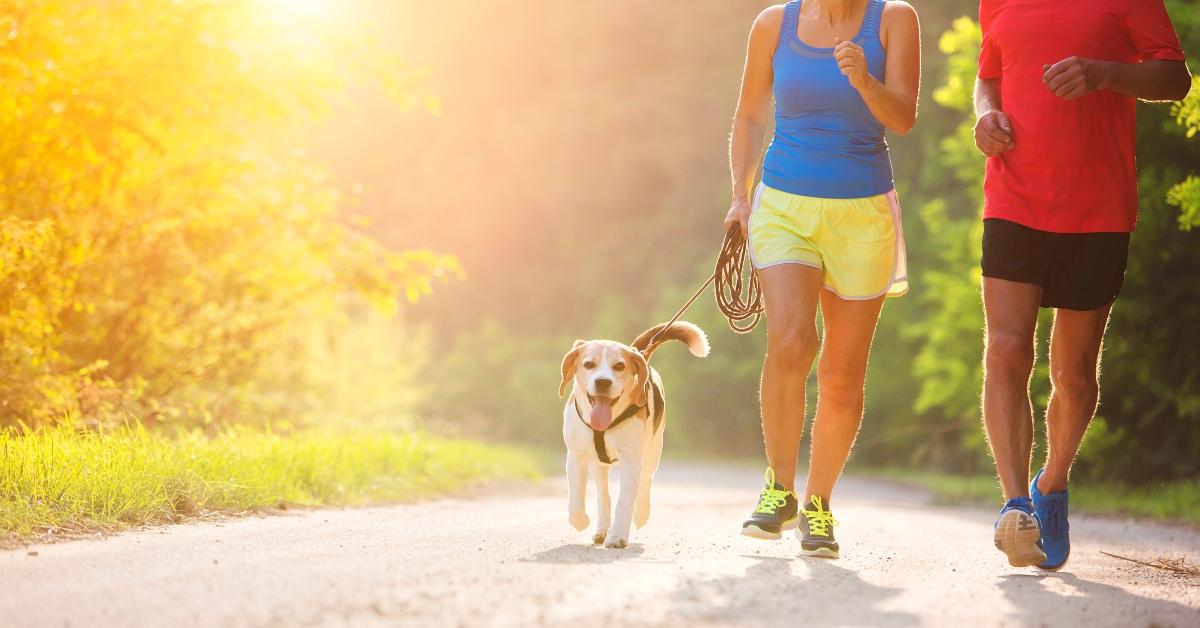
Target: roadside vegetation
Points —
{"points": [[68, 481], [191, 319]]}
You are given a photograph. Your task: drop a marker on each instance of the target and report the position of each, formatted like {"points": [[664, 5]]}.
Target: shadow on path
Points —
{"points": [[769, 593], [572, 553], [1039, 604]]}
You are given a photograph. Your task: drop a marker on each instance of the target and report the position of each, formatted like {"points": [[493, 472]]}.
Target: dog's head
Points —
{"points": [[606, 372]]}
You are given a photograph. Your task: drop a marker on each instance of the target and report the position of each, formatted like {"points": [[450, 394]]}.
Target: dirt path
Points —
{"points": [[512, 560]]}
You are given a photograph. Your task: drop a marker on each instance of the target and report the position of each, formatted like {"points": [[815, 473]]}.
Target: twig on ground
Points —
{"points": [[1178, 566]]}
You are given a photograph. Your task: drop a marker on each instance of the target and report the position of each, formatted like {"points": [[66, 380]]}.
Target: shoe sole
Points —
{"points": [[756, 532], [821, 552], [1017, 536]]}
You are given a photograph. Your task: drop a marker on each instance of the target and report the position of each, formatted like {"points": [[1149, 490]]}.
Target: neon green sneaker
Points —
{"points": [[777, 511], [816, 535]]}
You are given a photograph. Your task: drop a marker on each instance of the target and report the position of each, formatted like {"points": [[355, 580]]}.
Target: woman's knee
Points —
{"points": [[793, 350], [841, 383]]}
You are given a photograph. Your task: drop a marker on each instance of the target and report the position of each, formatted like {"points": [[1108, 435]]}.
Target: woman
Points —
{"points": [[823, 227]]}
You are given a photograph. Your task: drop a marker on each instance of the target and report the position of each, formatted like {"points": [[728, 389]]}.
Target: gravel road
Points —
{"points": [[508, 558]]}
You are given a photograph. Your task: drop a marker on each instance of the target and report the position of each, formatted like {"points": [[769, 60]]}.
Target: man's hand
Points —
{"points": [[1074, 77], [852, 61], [739, 214], [993, 133]]}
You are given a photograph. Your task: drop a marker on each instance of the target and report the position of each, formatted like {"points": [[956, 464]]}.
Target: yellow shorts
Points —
{"points": [[858, 242]]}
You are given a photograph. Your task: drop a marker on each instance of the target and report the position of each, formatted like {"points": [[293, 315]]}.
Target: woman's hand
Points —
{"points": [[739, 214], [852, 61]]}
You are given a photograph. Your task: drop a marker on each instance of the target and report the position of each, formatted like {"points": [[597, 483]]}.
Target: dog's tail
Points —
{"points": [[683, 331]]}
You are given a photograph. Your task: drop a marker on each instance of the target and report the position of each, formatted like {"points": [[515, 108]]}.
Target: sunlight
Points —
{"points": [[305, 8]]}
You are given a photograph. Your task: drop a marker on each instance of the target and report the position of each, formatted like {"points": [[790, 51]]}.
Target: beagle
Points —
{"points": [[615, 415]]}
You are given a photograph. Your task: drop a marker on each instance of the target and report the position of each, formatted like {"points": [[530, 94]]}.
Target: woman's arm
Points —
{"points": [[751, 118], [894, 101]]}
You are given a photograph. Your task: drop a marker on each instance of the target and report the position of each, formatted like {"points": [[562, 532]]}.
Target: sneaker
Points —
{"points": [[776, 511], [1018, 533], [816, 535], [1051, 510]]}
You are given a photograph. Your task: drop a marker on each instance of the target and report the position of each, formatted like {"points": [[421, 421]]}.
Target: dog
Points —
{"points": [[616, 415]]}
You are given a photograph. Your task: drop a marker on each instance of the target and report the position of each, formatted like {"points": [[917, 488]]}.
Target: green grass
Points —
{"points": [[1167, 501], [60, 478]]}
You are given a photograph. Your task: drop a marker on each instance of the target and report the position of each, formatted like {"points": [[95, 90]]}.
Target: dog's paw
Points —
{"points": [[579, 520], [599, 536], [615, 541]]}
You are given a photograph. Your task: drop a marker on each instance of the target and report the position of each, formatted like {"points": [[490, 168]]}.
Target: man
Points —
{"points": [[1055, 100]]}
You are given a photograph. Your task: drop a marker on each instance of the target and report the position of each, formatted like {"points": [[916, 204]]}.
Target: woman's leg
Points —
{"points": [[849, 330], [790, 292]]}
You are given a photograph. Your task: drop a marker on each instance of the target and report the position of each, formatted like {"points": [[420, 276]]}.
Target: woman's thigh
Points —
{"points": [[790, 294], [849, 331]]}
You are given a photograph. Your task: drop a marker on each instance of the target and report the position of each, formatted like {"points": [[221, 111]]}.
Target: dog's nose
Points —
{"points": [[602, 384]]}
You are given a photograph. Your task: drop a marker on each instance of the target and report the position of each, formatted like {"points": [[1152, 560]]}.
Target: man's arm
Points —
{"points": [[1150, 80], [993, 130]]}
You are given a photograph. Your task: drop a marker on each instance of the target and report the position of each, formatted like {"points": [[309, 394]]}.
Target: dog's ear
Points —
{"points": [[568, 366], [642, 370]]}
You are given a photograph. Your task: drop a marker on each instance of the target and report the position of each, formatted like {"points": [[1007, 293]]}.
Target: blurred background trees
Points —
{"points": [[183, 237], [168, 251]]}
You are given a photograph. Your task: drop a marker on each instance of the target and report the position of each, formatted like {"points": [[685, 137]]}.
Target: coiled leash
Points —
{"points": [[731, 279]]}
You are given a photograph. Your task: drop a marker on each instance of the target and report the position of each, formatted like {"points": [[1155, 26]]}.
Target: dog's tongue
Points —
{"points": [[601, 414]]}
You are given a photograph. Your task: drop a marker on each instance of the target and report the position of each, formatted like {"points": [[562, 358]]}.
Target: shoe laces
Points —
{"points": [[771, 498], [819, 520]]}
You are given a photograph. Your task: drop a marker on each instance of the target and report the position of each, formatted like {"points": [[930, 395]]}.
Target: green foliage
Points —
{"points": [[1186, 195], [166, 252], [60, 478]]}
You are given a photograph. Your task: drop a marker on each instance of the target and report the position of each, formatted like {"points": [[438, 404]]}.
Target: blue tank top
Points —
{"points": [[827, 143]]}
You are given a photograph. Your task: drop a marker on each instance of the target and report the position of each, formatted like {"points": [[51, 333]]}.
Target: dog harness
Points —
{"points": [[631, 411]]}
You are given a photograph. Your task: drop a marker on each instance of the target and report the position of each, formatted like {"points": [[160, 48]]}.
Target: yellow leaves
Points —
{"points": [[156, 227]]}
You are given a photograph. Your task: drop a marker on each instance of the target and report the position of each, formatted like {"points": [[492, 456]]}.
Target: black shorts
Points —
{"points": [[1077, 271]]}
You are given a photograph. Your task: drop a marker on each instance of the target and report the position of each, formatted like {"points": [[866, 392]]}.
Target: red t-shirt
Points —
{"points": [[1071, 169]]}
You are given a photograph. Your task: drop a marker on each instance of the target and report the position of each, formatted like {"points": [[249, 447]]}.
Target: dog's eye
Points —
{"points": [[589, 365], [619, 366]]}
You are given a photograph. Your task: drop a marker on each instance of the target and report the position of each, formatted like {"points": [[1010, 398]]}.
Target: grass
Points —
{"points": [[1167, 501], [60, 478]]}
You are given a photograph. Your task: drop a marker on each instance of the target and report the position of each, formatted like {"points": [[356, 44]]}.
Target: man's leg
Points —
{"points": [[1010, 311], [1074, 375]]}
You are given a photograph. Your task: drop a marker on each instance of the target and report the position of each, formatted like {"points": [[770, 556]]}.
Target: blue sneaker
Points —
{"points": [[1051, 510], [1018, 533]]}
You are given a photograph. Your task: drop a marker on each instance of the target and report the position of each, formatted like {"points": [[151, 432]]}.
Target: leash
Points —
{"points": [[731, 279]]}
